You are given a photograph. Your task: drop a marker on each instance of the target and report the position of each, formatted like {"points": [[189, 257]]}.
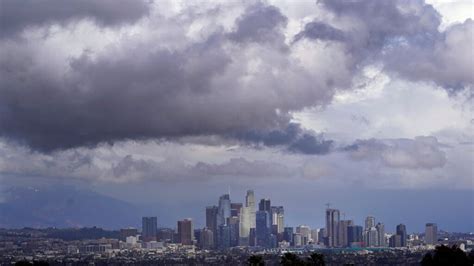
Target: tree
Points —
{"points": [[444, 255], [316, 259], [290, 259], [256, 260]]}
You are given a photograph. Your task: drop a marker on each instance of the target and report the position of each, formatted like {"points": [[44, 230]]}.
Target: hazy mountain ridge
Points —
{"points": [[64, 206]]}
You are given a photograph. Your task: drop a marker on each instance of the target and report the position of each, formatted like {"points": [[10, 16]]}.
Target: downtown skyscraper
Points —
{"points": [[332, 222]]}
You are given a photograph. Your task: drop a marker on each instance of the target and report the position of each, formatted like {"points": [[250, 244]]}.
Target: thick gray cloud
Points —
{"points": [[418, 153], [143, 90], [404, 36], [293, 137], [18, 15], [320, 30], [243, 81]]}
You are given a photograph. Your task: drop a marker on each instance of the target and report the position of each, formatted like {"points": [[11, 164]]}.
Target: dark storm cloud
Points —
{"points": [[18, 15], [404, 36], [320, 30], [260, 23], [142, 91], [293, 137], [224, 83]]}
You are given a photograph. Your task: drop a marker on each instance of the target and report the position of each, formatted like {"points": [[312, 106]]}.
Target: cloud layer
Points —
{"points": [[168, 76]]}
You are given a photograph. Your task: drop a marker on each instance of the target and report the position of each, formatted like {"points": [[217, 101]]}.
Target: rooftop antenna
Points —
{"points": [[328, 205], [229, 191]]}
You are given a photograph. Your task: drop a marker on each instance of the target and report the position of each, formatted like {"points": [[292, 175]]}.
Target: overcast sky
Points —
{"points": [[364, 104]]}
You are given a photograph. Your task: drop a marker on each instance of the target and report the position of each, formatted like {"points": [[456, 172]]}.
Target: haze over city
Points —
{"points": [[114, 110]]}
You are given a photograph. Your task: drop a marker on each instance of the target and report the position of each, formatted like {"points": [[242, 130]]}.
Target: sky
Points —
{"points": [[366, 105]]}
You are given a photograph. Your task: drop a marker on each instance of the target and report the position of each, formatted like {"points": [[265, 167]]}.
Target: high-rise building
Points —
{"points": [[431, 234], [369, 222], [380, 234], [149, 227], [235, 209], [207, 239], [262, 228], [223, 209], [278, 218], [297, 240], [126, 232], [211, 220], [402, 232], [233, 223], [250, 203], [314, 235], [354, 235], [332, 222], [395, 241], [371, 237], [342, 232], [223, 236], [288, 235], [244, 226], [186, 231], [265, 205], [322, 236], [305, 232]]}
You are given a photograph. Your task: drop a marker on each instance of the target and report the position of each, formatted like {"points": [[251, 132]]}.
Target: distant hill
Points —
{"points": [[64, 206]]}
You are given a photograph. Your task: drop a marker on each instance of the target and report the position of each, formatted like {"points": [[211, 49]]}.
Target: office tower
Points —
{"points": [[278, 218], [369, 222], [371, 237], [297, 240], [126, 232], [197, 236], [253, 237], [165, 235], [314, 235], [149, 227], [211, 221], [431, 234], [322, 236], [235, 209], [288, 235], [342, 233], [223, 236], [305, 232], [395, 241], [262, 228], [186, 231], [332, 221], [244, 226], [207, 239], [233, 223], [380, 234], [250, 203], [402, 232], [265, 205], [354, 235], [223, 209]]}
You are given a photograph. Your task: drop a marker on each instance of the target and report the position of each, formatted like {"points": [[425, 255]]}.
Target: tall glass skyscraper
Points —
{"points": [[431, 234], [250, 203], [332, 222], [224, 209], [149, 228], [211, 222], [262, 228], [402, 232], [264, 205]]}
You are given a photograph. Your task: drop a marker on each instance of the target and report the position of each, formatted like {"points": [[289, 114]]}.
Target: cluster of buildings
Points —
{"points": [[251, 224]]}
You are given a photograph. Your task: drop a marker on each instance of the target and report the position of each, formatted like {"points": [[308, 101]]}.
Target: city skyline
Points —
{"points": [[142, 108]]}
